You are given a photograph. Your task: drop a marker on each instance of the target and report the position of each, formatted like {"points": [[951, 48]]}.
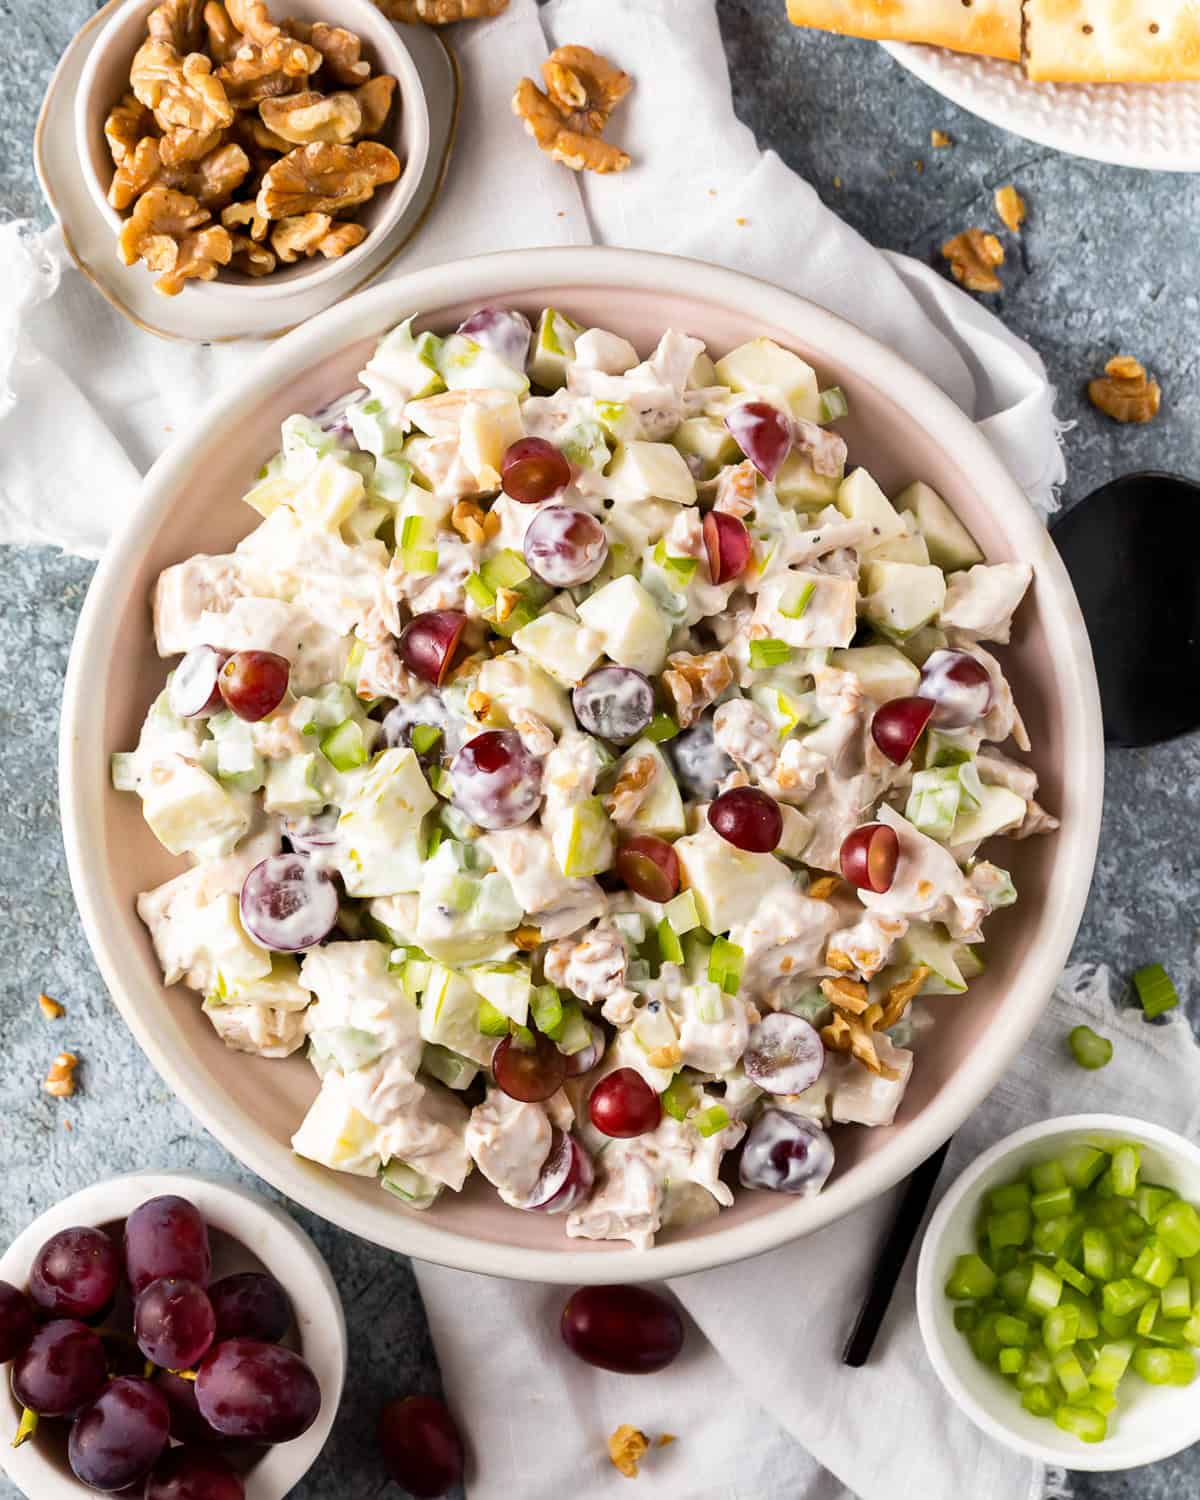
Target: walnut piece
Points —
{"points": [[178, 23], [1011, 207], [164, 231], [223, 37], [693, 682], [313, 234], [51, 1009], [526, 938], [250, 257], [375, 103], [973, 257], [846, 994], [326, 179], [582, 90], [469, 520], [302, 119], [211, 182], [180, 146], [342, 53], [238, 216], [823, 888], [631, 789], [897, 999], [274, 47], [1124, 392], [626, 1449], [127, 123], [441, 12], [60, 1080], [180, 91], [938, 139]]}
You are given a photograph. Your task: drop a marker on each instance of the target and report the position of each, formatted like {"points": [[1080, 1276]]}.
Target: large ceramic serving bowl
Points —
{"points": [[900, 425]]}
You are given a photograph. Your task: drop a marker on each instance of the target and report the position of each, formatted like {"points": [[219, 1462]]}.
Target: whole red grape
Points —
{"points": [[253, 683], [422, 1449], [629, 1329], [624, 1105]]}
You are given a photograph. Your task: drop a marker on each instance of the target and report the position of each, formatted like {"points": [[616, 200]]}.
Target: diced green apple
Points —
{"points": [[466, 365], [486, 433], [950, 544], [908, 547], [800, 487], [650, 471], [189, 811], [553, 349], [450, 1015], [860, 499], [334, 1134], [516, 681], [883, 671], [291, 786], [764, 368], [998, 811], [628, 621], [926, 946], [507, 986], [902, 597], [661, 812], [728, 884], [562, 647], [709, 440], [583, 839]]}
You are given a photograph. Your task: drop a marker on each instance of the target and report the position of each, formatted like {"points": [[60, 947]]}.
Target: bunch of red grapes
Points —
{"points": [[150, 1405]]}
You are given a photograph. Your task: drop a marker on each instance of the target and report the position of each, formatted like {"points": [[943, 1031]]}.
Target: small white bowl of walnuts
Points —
{"points": [[244, 155]]}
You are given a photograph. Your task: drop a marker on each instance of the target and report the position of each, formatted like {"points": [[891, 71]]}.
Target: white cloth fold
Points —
{"points": [[760, 1405]]}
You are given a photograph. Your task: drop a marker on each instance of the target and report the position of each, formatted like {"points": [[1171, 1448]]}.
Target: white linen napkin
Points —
{"points": [[762, 1409], [84, 393], [760, 1405]]}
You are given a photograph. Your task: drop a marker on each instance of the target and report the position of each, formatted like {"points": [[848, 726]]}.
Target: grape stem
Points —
{"points": [[183, 1374], [29, 1425]]}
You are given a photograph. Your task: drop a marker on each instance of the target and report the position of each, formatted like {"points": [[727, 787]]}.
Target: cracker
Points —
{"points": [[1112, 41], [990, 28]]}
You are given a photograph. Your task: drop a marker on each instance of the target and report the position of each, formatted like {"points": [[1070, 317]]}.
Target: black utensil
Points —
{"points": [[1132, 548], [891, 1259]]}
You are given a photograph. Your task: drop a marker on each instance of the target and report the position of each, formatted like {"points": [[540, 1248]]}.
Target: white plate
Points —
{"points": [[1154, 125], [88, 233]]}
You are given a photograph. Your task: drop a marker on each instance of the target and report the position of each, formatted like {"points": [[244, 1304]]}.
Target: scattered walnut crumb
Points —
{"points": [[1011, 207], [741, 222], [973, 257], [938, 139], [837, 182], [506, 601], [899, 995], [823, 887], [1125, 392], [527, 938], [918, 165], [60, 1081], [479, 704], [626, 1448], [51, 1009], [840, 961], [665, 1057], [665, 1439]]}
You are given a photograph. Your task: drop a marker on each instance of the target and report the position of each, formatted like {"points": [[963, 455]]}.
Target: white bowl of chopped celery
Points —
{"points": [[1058, 1292]]}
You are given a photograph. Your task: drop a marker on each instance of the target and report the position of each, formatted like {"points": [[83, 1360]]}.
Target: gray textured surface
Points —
{"points": [[1106, 263]]}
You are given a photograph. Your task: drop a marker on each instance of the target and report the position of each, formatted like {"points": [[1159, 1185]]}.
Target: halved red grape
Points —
{"points": [[166, 1237], [496, 781], [629, 1329], [174, 1323], [428, 642], [587, 1057], [60, 1370], [311, 832], [530, 1074], [786, 1153], [193, 1474], [534, 470], [250, 1305], [16, 1322], [503, 330], [615, 703], [784, 1054], [728, 545], [959, 686], [564, 547], [747, 818], [699, 763], [195, 691], [253, 683], [261, 1392], [288, 903], [75, 1273], [649, 866], [624, 1105], [566, 1177], [422, 1449], [898, 725], [121, 1436], [868, 858], [763, 433]]}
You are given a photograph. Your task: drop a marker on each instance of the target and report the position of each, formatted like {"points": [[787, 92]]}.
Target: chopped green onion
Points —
{"points": [[661, 727], [492, 1022], [670, 949], [832, 404], [1155, 990], [800, 603], [769, 653], [725, 962], [1089, 1049], [424, 737], [971, 1279], [711, 1121]]}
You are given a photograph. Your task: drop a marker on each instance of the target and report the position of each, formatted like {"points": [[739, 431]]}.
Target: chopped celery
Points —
{"points": [[725, 965], [794, 610], [966, 1317], [1060, 1328], [1082, 1165], [710, 1121], [1125, 1167], [1111, 1364], [1098, 1254], [681, 912], [1176, 1298], [479, 591], [1072, 1277], [492, 1022], [576, 1031], [1191, 1329], [1146, 1319], [1154, 990], [1037, 1369], [424, 737], [1089, 1048], [1156, 1264], [1014, 1285], [1178, 1228], [1011, 1360], [832, 404], [1069, 1373], [669, 947], [1058, 1236], [344, 746], [546, 1006], [1125, 1296], [1038, 1400], [504, 571], [1009, 1228], [680, 1095], [450, 1068], [1046, 1176], [1011, 1195], [971, 1278], [1150, 1201], [1056, 1202], [1089, 1323], [1165, 1366], [769, 653], [1012, 1331], [1083, 1422], [1045, 1289]]}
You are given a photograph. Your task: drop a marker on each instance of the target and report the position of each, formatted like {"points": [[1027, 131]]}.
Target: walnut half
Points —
{"points": [[325, 179], [165, 231], [1125, 392], [582, 90], [303, 119], [441, 12]]}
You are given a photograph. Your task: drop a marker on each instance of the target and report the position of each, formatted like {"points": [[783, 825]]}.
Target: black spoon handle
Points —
{"points": [[891, 1259]]}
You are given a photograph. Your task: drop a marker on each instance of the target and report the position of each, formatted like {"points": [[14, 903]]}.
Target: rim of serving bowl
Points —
{"points": [[1113, 1454], [543, 271], [409, 108], [268, 1233]]}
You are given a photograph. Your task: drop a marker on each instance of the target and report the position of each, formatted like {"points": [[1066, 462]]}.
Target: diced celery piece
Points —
{"points": [[1011, 1360], [725, 965], [1165, 1366], [1176, 1298], [546, 1007], [1072, 1277], [1082, 1165], [1037, 1369], [1089, 1048], [1083, 1422], [424, 737], [576, 1033], [966, 1316], [1149, 1201], [1045, 1289], [1012, 1331], [1014, 1285], [984, 1340], [1089, 1323], [1125, 1167], [971, 1279], [711, 1121], [765, 654], [832, 404], [1058, 1236], [450, 1068], [479, 592], [1178, 1228], [1046, 1176], [1115, 1326], [794, 609], [344, 746], [1069, 1373], [1102, 1401], [1191, 1329], [1011, 1195], [1098, 1254], [1111, 1364], [1124, 1296], [1056, 1202], [670, 949], [1154, 990], [680, 1095], [1146, 1319], [504, 571], [1156, 1264], [1060, 1329], [492, 1022], [1009, 1228], [1038, 1400], [407, 1184]]}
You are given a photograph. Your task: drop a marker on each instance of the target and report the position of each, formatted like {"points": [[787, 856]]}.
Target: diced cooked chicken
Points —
{"points": [[558, 904], [592, 966], [825, 449], [981, 601], [188, 591], [783, 940], [509, 1142], [860, 1097], [263, 1030], [928, 885], [431, 1136], [864, 948]]}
